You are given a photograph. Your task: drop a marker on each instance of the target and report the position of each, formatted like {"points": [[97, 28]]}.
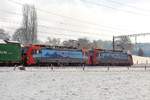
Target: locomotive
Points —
{"points": [[12, 53], [109, 58], [50, 55]]}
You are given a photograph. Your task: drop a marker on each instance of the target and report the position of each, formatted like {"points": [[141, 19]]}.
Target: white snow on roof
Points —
{"points": [[13, 42], [2, 41]]}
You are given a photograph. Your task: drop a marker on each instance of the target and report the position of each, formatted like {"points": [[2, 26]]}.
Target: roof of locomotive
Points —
{"points": [[110, 51], [106, 50], [52, 47]]}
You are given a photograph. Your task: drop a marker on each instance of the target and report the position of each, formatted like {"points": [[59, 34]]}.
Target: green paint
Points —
{"points": [[10, 52]]}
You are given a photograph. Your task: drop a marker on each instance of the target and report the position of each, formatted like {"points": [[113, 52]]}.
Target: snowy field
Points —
{"points": [[75, 84]]}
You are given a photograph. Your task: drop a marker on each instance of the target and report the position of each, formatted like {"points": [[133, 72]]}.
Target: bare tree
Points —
{"points": [[96, 44], [124, 43], [140, 52], [4, 35], [53, 41], [81, 43], [71, 43], [19, 35], [28, 31], [84, 43]]}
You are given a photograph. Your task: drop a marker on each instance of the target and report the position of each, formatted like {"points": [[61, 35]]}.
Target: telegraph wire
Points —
{"points": [[69, 17], [9, 12], [52, 33], [63, 29], [113, 8], [102, 29], [135, 7]]}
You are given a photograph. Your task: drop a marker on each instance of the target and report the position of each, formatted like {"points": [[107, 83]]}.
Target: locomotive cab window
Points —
{"points": [[39, 51], [36, 52]]}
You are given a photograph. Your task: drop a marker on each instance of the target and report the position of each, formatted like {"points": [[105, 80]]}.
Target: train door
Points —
{"points": [[90, 57], [84, 56]]}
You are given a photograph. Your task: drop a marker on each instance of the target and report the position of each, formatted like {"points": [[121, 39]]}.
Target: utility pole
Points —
{"points": [[131, 35], [113, 43]]}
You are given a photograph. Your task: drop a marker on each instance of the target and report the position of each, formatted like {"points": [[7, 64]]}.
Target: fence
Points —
{"points": [[145, 67], [96, 68]]}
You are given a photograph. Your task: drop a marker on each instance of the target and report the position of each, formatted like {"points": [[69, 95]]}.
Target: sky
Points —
{"points": [[72, 19]]}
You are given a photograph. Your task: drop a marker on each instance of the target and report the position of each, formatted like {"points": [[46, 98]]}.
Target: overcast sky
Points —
{"points": [[71, 19]]}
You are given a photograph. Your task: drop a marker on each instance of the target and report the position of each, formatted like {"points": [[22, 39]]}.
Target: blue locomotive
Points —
{"points": [[110, 57], [41, 55], [58, 56]]}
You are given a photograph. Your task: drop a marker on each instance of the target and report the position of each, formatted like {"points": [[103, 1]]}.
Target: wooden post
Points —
{"points": [[145, 67], [51, 67], [15, 67], [113, 43], [83, 67], [128, 67], [108, 68]]}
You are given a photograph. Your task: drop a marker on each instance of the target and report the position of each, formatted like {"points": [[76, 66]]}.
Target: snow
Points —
{"points": [[74, 84], [2, 41], [10, 41], [140, 60]]}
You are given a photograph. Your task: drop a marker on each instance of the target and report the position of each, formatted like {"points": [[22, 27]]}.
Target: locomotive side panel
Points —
{"points": [[113, 58], [56, 56]]}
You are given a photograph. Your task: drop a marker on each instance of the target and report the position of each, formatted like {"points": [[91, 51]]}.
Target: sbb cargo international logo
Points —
{"points": [[3, 52]]}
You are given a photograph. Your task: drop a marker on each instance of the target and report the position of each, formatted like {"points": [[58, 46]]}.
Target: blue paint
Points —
{"points": [[113, 56], [59, 54]]}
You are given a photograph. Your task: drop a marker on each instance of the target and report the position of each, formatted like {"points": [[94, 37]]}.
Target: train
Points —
{"points": [[109, 58], [13, 53]]}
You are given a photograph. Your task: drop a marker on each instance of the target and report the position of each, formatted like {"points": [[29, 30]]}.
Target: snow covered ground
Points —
{"points": [[74, 84]]}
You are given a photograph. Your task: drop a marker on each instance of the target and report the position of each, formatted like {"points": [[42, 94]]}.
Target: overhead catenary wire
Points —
{"points": [[63, 29], [62, 33], [85, 32], [114, 8], [74, 25], [61, 36], [72, 18], [127, 5]]}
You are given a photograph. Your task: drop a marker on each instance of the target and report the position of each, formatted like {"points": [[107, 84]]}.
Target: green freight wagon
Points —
{"points": [[10, 53]]}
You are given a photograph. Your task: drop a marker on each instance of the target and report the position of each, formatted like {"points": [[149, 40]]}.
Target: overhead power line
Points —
{"points": [[58, 28], [52, 33], [56, 33], [131, 6], [68, 24], [114, 8], [72, 18], [64, 29]]}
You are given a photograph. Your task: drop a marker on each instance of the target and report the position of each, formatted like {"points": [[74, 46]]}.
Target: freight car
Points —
{"points": [[109, 57], [46, 55], [10, 53]]}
